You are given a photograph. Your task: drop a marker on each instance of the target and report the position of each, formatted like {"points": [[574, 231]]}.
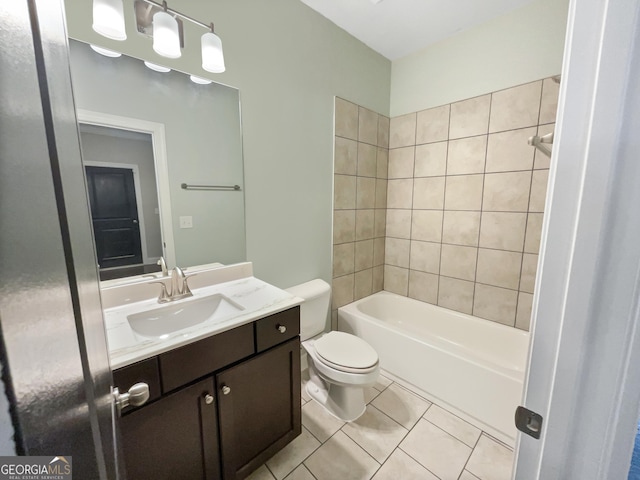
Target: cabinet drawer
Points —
{"points": [[268, 329], [146, 371], [185, 364]]}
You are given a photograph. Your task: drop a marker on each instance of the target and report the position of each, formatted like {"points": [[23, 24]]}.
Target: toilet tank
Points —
{"points": [[314, 310]]}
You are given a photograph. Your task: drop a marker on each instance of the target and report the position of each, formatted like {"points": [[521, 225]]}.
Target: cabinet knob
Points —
{"points": [[281, 328], [208, 398], [226, 390]]}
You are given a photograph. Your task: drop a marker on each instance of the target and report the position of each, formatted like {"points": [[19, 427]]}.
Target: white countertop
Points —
{"points": [[257, 298]]}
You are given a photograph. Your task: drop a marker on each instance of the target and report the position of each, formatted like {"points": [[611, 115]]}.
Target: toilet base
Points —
{"points": [[343, 402]]}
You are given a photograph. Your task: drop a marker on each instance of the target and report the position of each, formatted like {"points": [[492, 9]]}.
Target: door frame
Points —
{"points": [[158, 137], [585, 351], [138, 191]]}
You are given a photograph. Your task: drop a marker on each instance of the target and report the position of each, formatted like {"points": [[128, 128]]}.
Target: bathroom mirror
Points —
{"points": [[137, 123]]}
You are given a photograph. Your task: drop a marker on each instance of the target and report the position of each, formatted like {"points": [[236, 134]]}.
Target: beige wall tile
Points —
{"points": [[367, 126], [342, 291], [366, 192], [399, 193], [470, 117], [509, 151], [516, 107], [397, 252], [383, 131], [461, 228], [464, 192], [428, 193], [458, 262], [534, 231], [431, 160], [334, 321], [364, 224], [363, 255], [367, 160], [396, 280], [542, 161], [378, 278], [346, 119], [506, 192], [503, 230], [382, 159], [363, 284], [399, 223], [549, 103], [499, 268], [456, 294], [344, 193], [401, 162], [523, 313], [344, 226], [378, 251], [402, 131], [346, 156], [380, 223], [467, 155], [343, 259], [381, 193], [425, 256], [538, 190], [423, 286], [426, 225], [529, 269], [432, 125], [497, 304]]}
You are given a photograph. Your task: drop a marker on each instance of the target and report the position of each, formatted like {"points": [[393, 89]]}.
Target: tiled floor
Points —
{"points": [[401, 436]]}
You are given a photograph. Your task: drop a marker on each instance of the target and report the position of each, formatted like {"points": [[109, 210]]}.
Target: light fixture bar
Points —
{"points": [[175, 12]]}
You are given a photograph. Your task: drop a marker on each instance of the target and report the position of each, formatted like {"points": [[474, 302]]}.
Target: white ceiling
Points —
{"points": [[395, 28]]}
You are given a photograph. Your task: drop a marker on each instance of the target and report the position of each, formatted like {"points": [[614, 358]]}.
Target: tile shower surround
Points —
{"points": [[464, 203]]}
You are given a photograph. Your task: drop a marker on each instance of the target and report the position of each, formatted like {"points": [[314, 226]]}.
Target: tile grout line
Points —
{"points": [[444, 200]]}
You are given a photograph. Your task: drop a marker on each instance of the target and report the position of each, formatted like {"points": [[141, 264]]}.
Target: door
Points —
{"points": [[54, 352], [258, 408], [585, 352], [114, 215], [173, 438]]}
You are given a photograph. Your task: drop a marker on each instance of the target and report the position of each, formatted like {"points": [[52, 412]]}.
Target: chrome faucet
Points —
{"points": [[163, 266], [179, 287]]}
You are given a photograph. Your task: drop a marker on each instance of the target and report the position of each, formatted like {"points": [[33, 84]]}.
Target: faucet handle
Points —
{"points": [[164, 295], [185, 286], [163, 266]]}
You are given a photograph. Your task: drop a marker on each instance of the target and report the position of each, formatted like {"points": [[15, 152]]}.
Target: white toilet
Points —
{"points": [[341, 365]]}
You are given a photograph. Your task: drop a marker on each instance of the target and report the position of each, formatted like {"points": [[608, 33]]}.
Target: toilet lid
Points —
{"points": [[346, 350]]}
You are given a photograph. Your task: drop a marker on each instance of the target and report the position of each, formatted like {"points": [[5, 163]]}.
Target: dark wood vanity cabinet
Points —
{"points": [[221, 424]]}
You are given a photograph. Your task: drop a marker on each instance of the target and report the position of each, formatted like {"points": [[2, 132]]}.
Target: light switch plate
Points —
{"points": [[186, 222]]}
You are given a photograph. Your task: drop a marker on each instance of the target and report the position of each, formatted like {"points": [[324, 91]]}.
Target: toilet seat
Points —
{"points": [[346, 353]]}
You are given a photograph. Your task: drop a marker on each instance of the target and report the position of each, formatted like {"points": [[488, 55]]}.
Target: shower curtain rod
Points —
{"points": [[539, 143]]}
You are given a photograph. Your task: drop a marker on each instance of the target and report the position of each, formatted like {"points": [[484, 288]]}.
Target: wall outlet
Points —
{"points": [[186, 222]]}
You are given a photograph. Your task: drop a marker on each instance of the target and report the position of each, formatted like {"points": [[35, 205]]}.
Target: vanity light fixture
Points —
{"points": [[156, 67], [200, 80], [212, 56], [105, 51], [166, 34], [108, 19]]}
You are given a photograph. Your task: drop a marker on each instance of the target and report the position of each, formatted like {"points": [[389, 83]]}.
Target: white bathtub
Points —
{"points": [[472, 366]]}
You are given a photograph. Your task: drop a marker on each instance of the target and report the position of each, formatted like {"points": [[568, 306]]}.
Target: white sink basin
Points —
{"points": [[162, 321]]}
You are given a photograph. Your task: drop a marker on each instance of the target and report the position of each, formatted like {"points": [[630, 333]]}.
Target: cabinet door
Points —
{"points": [[174, 438], [260, 411]]}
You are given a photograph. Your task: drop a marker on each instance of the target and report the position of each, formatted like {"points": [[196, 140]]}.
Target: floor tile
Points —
{"points": [[401, 405], [370, 393], [378, 434], [341, 458], [401, 466], [453, 425], [436, 450], [468, 476], [382, 383], [319, 422], [262, 473], [300, 473], [287, 459], [491, 460]]}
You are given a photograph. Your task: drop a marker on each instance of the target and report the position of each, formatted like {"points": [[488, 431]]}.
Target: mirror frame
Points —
{"points": [[157, 132]]}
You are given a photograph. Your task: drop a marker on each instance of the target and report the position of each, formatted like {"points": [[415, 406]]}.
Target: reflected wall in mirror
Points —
{"points": [[196, 138]]}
